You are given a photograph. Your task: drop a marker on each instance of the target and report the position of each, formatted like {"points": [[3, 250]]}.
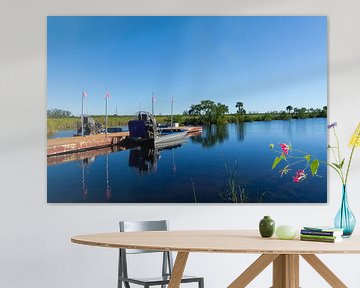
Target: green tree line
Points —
{"points": [[209, 112], [206, 112]]}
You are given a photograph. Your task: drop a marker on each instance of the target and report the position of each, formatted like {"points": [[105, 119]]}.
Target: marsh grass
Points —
{"points": [[234, 192], [194, 191]]}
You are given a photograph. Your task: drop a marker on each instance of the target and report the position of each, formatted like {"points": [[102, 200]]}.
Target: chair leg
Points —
{"points": [[120, 270], [201, 283]]}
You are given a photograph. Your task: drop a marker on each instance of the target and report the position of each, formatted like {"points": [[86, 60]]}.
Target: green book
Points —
{"points": [[325, 240], [319, 236]]}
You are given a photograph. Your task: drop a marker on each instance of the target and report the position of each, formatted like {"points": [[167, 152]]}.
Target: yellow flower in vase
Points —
{"points": [[355, 138]]}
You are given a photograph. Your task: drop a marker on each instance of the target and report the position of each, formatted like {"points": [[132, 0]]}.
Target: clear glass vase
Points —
{"points": [[345, 219]]}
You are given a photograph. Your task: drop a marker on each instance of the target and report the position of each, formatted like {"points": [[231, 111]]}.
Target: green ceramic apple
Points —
{"points": [[285, 232]]}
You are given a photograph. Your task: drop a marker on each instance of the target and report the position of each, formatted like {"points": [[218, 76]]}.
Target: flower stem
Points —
{"points": [[338, 146], [333, 152], [336, 169], [339, 160], [348, 167], [296, 162]]}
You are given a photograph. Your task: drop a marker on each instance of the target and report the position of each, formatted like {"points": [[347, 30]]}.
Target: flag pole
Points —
{"points": [[106, 113], [172, 108], [152, 104], [82, 113]]}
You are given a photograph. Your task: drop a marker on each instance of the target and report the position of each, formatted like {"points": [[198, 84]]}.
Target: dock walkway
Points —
{"points": [[84, 143]]}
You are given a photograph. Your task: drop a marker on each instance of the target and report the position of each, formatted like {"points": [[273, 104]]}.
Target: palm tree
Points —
{"points": [[296, 111], [289, 109], [240, 108]]}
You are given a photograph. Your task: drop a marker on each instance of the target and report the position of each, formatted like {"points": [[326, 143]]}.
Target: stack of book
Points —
{"points": [[321, 234]]}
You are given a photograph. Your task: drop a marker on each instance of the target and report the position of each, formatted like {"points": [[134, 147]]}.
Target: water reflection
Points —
{"points": [[240, 131], [173, 161], [107, 179], [84, 163], [61, 134], [145, 159], [82, 156], [212, 135]]}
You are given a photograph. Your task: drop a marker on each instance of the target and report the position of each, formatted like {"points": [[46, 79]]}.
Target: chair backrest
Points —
{"points": [[134, 226]]}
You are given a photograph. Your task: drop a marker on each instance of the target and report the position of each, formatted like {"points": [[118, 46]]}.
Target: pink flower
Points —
{"points": [[285, 148], [299, 176]]}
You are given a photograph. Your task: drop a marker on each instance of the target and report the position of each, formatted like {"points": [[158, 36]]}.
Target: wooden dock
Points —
{"points": [[192, 129], [61, 146], [83, 143]]}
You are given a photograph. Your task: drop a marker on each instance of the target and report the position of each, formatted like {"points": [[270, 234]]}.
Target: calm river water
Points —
{"points": [[225, 164]]}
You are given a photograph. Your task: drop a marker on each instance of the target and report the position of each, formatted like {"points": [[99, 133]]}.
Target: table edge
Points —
{"points": [[205, 250]]}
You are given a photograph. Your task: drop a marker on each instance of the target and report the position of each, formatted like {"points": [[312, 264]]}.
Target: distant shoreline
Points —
{"points": [[68, 123]]}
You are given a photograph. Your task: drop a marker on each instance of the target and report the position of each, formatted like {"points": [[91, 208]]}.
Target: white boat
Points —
{"points": [[170, 135]]}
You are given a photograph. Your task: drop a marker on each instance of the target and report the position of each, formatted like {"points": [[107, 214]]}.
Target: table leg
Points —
{"points": [[324, 271], [253, 270], [178, 269], [286, 271]]}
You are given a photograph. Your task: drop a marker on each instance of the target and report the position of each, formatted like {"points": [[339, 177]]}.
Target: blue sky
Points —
{"points": [[265, 62]]}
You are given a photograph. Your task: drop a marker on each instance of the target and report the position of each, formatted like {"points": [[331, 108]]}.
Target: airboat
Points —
{"points": [[144, 131]]}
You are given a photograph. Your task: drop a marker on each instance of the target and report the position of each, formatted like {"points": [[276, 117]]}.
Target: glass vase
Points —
{"points": [[345, 219]]}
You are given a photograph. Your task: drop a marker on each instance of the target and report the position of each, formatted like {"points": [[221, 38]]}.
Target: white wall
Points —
{"points": [[35, 248]]}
